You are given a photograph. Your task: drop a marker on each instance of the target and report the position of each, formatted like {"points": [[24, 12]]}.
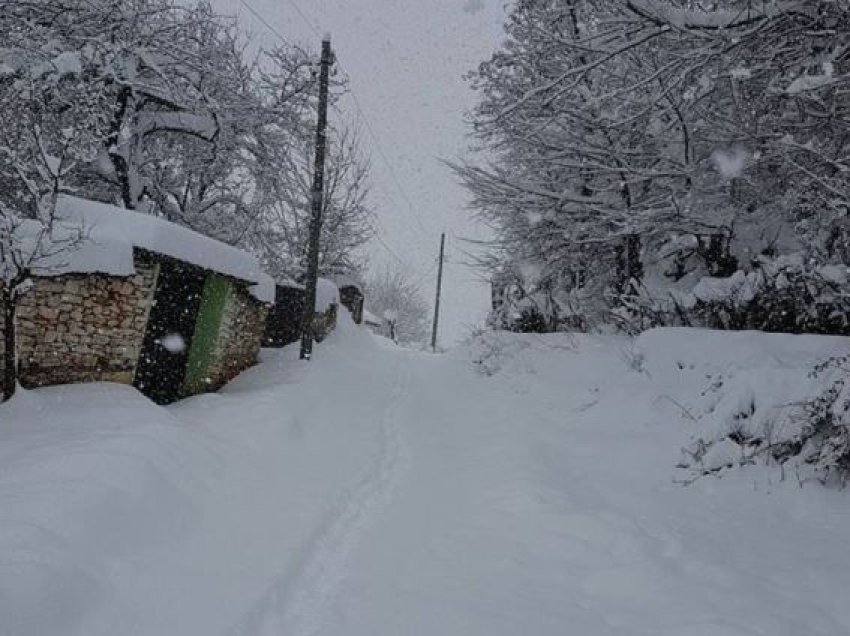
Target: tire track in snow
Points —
{"points": [[298, 602]]}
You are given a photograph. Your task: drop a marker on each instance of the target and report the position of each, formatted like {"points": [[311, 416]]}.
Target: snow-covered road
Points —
{"points": [[523, 485]]}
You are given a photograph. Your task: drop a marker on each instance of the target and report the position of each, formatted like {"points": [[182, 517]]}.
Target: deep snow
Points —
{"points": [[519, 484]]}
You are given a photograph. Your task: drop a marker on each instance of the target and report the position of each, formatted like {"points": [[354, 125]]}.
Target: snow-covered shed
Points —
{"points": [[141, 301]]}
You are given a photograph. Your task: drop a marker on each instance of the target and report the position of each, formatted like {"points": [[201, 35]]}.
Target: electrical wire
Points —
{"points": [[366, 122]]}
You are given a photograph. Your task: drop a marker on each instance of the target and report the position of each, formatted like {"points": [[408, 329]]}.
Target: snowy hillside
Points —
{"points": [[519, 484]]}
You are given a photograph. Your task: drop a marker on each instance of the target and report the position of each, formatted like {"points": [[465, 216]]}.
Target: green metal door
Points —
{"points": [[216, 295]]}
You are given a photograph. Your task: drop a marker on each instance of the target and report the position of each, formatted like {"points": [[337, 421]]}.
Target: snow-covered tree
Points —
{"points": [[649, 144], [51, 123], [281, 236], [188, 112], [395, 300]]}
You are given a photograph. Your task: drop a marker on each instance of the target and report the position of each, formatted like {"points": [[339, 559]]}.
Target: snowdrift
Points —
{"points": [[519, 484], [748, 396], [120, 516]]}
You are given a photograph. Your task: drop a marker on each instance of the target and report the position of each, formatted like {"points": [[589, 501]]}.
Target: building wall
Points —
{"points": [[283, 324], [83, 328], [86, 328], [324, 323], [232, 345]]}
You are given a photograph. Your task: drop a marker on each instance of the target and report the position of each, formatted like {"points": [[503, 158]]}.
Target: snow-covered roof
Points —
{"points": [[371, 319], [347, 281], [287, 282], [113, 232]]}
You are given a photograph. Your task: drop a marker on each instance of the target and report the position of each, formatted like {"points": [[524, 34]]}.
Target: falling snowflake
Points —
{"points": [[473, 6], [174, 343]]}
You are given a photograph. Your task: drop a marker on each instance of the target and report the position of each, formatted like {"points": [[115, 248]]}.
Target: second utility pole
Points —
{"points": [[439, 289], [316, 218]]}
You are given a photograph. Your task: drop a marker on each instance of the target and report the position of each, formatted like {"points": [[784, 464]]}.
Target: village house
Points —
{"points": [[141, 301]]}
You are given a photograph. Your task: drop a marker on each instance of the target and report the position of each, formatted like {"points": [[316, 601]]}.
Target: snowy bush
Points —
{"points": [[489, 350], [659, 172], [809, 438], [785, 294], [492, 351]]}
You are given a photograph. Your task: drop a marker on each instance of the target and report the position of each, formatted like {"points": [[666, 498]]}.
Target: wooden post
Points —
{"points": [[439, 289], [318, 193]]}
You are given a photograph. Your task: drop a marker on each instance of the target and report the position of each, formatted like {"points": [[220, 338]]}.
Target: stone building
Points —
{"points": [[144, 302]]}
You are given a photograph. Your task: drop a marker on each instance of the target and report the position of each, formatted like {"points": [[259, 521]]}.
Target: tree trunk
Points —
{"points": [[10, 375], [628, 266]]}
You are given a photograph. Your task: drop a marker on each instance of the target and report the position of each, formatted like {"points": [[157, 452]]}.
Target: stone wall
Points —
{"points": [[83, 328], [239, 337]]}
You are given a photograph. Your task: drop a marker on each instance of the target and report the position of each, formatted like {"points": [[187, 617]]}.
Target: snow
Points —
{"points": [[371, 319], [200, 125], [806, 83], [112, 233], [327, 294], [736, 288], [173, 343], [347, 281], [473, 6], [714, 18], [730, 164], [519, 484]]}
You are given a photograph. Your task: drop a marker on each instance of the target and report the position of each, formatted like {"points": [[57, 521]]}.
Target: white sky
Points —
{"points": [[405, 60]]}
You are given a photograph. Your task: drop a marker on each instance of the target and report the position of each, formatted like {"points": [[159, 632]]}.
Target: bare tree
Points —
{"points": [[395, 300], [281, 236]]}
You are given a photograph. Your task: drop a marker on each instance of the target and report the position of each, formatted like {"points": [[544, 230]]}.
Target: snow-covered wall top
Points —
{"points": [[371, 319], [327, 294], [347, 281], [113, 232]]}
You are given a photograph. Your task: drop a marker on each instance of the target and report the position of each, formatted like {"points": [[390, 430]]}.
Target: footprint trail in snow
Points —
{"points": [[298, 603]]}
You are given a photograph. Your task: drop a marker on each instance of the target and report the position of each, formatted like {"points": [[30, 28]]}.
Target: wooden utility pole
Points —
{"points": [[317, 203], [439, 289]]}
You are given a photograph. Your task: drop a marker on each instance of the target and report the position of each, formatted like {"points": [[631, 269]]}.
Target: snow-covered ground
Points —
{"points": [[517, 485]]}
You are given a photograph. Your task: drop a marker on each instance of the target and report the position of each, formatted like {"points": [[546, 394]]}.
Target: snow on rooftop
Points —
{"points": [[282, 281], [343, 280], [113, 232], [371, 319]]}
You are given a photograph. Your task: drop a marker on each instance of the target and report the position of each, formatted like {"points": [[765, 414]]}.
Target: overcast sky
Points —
{"points": [[405, 60]]}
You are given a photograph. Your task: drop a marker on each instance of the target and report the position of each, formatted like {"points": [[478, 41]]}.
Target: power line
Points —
{"points": [[423, 275], [261, 19], [358, 106], [304, 17], [390, 250], [384, 158], [266, 23], [365, 120]]}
